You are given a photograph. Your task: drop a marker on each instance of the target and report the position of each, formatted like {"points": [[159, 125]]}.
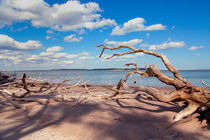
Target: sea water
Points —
{"points": [[111, 77]]}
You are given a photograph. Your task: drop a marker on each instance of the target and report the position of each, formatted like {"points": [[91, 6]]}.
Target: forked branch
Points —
{"points": [[134, 50], [28, 91], [195, 96]]}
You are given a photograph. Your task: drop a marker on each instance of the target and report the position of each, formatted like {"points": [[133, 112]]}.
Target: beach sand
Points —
{"points": [[127, 117]]}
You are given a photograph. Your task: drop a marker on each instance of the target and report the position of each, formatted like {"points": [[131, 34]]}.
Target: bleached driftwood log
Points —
{"points": [[196, 97]]}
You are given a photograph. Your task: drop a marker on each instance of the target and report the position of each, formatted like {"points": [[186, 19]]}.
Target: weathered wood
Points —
{"points": [[195, 96]]}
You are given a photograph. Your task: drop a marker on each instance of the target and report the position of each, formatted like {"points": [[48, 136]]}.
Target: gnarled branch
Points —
{"points": [[195, 96], [134, 50]]}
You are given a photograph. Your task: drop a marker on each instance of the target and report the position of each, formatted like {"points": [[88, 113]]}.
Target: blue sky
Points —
{"points": [[38, 34]]}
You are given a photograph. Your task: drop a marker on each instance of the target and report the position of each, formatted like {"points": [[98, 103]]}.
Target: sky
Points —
{"points": [[62, 34]]}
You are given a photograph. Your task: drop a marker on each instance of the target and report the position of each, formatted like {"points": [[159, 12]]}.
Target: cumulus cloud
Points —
{"points": [[165, 45], [134, 25], [50, 57], [67, 62], [54, 49], [128, 56], [84, 53], [9, 43], [72, 38], [130, 42], [139, 54], [195, 48], [68, 16], [85, 58]]}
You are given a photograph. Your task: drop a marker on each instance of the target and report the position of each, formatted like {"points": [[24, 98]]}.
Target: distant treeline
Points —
{"points": [[105, 69], [78, 69]]}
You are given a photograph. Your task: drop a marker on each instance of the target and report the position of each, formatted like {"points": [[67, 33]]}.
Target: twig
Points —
{"points": [[134, 50], [16, 105], [128, 64], [59, 84], [205, 84], [137, 79], [28, 91]]}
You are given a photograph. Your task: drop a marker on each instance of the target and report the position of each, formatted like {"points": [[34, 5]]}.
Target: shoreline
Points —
{"points": [[82, 113]]}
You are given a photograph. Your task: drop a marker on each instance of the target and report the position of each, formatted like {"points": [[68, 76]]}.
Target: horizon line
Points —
{"points": [[98, 69]]}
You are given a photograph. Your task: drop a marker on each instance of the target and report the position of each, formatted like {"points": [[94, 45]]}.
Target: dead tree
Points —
{"points": [[196, 97]]}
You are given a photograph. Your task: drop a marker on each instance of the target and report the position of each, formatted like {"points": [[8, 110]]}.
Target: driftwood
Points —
{"points": [[6, 78], [28, 91], [13, 99], [16, 105], [196, 97], [62, 82]]}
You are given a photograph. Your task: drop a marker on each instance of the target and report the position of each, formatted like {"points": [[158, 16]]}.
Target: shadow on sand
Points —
{"points": [[123, 119]]}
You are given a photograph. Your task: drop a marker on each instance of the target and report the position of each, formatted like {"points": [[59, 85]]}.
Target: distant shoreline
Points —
{"points": [[105, 69]]}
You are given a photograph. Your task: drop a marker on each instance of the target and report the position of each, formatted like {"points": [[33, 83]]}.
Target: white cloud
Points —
{"points": [[54, 49], [119, 60], [84, 53], [9, 43], [139, 54], [64, 55], [19, 29], [34, 58], [195, 48], [72, 38], [134, 25], [47, 58], [155, 27], [8, 57], [165, 45], [49, 32], [127, 56], [68, 16], [67, 62], [130, 42], [85, 58]]}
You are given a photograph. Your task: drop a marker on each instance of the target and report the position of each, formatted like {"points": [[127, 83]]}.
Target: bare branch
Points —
{"points": [[134, 50], [128, 64], [16, 105], [61, 83], [137, 79], [195, 96], [28, 91], [205, 84]]}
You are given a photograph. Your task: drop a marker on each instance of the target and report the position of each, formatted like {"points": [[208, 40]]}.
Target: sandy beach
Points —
{"points": [[104, 70], [75, 114]]}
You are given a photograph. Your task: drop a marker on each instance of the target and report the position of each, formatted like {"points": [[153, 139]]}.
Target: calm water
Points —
{"points": [[111, 77]]}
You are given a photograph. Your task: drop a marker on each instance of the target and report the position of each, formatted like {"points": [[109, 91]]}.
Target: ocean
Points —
{"points": [[111, 77]]}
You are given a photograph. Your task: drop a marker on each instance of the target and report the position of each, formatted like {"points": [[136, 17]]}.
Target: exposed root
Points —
{"points": [[191, 108], [185, 120]]}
